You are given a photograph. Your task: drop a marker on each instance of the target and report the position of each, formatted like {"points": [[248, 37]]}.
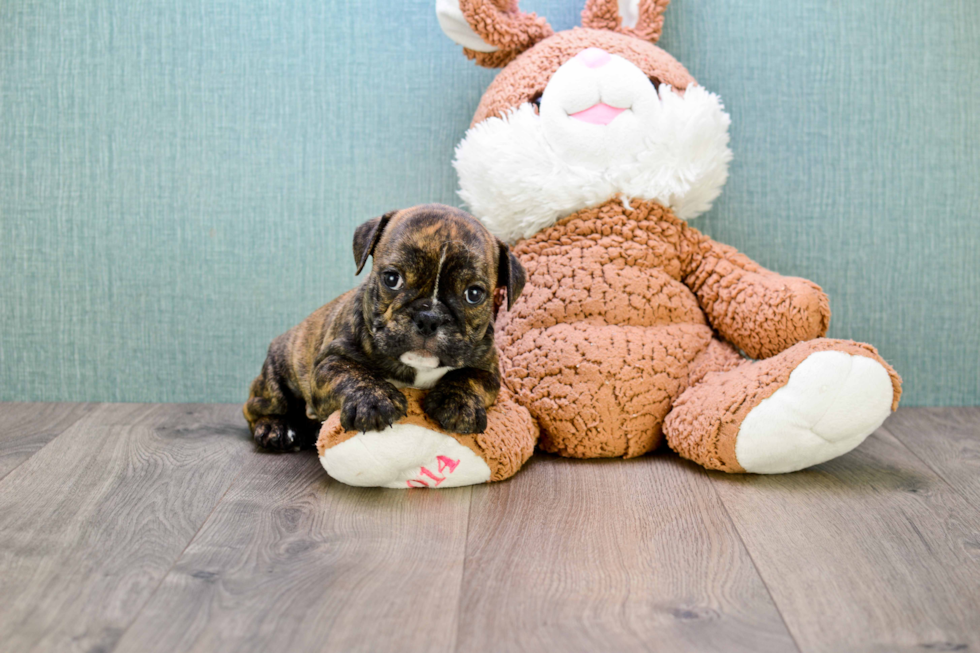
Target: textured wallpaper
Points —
{"points": [[180, 180]]}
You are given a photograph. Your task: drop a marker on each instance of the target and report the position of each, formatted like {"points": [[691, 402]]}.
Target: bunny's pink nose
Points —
{"points": [[594, 57]]}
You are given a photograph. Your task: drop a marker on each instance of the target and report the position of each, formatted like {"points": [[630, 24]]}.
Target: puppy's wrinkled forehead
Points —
{"points": [[427, 238]]}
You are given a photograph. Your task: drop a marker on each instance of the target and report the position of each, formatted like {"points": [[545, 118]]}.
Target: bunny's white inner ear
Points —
{"points": [[629, 11], [454, 24]]}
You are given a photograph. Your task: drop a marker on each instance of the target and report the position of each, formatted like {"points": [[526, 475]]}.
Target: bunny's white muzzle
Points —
{"points": [[602, 129], [593, 108]]}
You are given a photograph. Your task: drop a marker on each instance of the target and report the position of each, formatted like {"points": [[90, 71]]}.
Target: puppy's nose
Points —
{"points": [[428, 322], [594, 57]]}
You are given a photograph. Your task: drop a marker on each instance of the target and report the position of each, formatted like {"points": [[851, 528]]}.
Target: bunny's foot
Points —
{"points": [[404, 456], [416, 453], [813, 402]]}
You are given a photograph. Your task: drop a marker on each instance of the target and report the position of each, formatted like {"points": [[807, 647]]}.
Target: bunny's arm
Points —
{"points": [[757, 310]]}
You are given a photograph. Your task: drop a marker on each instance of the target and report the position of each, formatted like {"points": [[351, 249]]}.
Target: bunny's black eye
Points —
{"points": [[656, 83], [536, 100], [392, 279], [475, 295]]}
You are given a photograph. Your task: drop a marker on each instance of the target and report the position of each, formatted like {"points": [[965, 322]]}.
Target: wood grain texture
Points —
{"points": [[26, 427], [90, 524], [945, 439], [869, 552], [293, 561], [161, 528], [615, 555]]}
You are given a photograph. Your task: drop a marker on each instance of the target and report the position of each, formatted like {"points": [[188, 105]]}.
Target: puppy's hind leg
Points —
{"points": [[276, 416]]}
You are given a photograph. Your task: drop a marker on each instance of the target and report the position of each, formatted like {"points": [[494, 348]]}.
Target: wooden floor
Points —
{"points": [[127, 527]]}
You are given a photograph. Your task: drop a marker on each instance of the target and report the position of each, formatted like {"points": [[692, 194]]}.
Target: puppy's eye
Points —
{"points": [[656, 83], [475, 295], [536, 101], [392, 280]]}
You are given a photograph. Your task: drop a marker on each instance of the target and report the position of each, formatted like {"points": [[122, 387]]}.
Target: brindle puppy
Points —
{"points": [[423, 317]]}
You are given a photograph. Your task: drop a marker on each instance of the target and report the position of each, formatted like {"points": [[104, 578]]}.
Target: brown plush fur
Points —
{"points": [[500, 23], [619, 317], [604, 14]]}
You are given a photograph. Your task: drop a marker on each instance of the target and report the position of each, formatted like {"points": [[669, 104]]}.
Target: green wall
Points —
{"points": [[180, 180]]}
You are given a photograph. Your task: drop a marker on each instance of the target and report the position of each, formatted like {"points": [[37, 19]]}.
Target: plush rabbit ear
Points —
{"points": [[493, 32], [643, 19], [453, 23]]}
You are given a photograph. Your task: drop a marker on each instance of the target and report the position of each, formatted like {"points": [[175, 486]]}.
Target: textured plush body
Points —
{"points": [[621, 316]]}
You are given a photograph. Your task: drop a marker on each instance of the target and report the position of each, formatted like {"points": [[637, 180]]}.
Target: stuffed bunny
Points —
{"points": [[590, 151]]}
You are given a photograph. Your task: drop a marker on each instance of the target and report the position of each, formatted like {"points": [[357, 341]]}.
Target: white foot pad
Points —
{"points": [[832, 402], [404, 456]]}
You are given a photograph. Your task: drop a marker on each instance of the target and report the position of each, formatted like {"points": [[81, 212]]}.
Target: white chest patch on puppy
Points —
{"points": [[427, 370]]}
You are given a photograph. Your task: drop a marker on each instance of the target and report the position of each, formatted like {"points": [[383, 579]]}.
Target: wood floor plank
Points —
{"points": [[92, 522], [945, 439], [869, 552], [25, 427], [620, 555], [293, 561]]}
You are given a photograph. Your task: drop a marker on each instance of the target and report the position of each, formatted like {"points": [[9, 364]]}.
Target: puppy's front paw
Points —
{"points": [[456, 410], [275, 434], [373, 408]]}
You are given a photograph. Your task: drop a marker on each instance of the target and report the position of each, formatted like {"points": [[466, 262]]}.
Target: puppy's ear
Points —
{"points": [[510, 273], [367, 236]]}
